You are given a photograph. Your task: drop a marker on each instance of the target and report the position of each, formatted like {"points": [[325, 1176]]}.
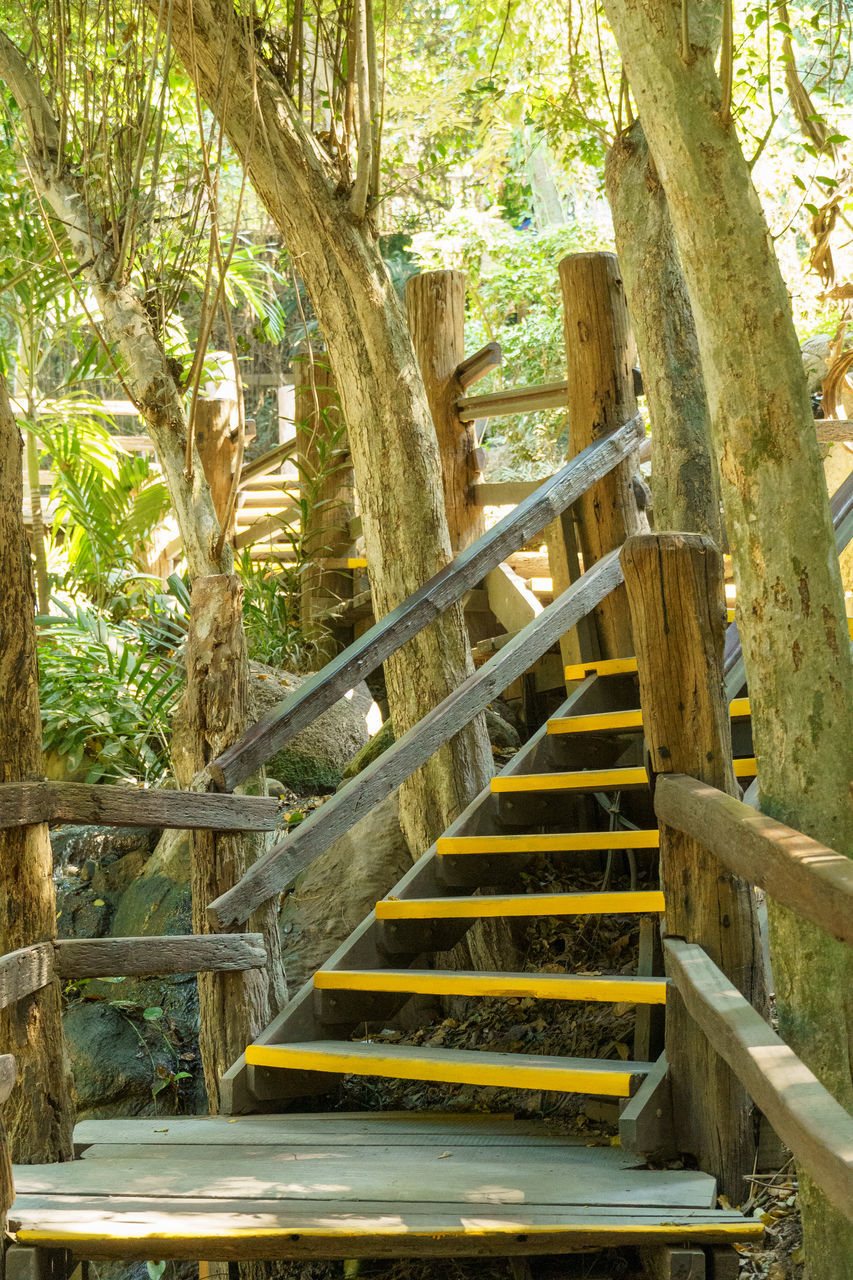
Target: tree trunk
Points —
{"points": [[791, 614], [674, 583], [326, 486], [395, 455], [685, 484], [216, 431], [233, 1007], [40, 1112]]}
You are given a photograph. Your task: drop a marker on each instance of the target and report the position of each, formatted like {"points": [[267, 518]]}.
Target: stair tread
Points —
{"points": [[520, 904], [601, 667], [546, 986], [460, 1066], [604, 721], [451, 846], [572, 780]]}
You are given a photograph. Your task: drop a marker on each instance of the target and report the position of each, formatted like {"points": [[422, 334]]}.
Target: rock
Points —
{"points": [[501, 732], [77, 844], [314, 760], [158, 900], [338, 891]]}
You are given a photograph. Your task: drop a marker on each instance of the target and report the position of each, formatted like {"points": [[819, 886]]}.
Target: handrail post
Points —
{"points": [[600, 396], [435, 310], [674, 584]]}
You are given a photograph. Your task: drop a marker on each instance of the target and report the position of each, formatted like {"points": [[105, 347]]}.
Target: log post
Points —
{"points": [[600, 364], [674, 583], [233, 1006], [216, 431], [435, 311], [326, 486], [7, 1181], [40, 1112]]}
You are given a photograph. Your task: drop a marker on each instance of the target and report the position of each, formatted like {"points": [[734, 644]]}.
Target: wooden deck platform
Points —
{"points": [[350, 1185]]}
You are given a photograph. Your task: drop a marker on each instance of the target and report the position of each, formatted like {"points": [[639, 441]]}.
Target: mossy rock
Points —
{"points": [[372, 750], [306, 775]]}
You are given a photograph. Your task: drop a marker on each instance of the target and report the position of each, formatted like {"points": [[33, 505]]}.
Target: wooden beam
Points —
{"points": [[138, 957], [667, 1262], [263, 528], [434, 598], [266, 463], [478, 365], [816, 1128], [501, 404], [503, 493], [510, 599], [24, 972], [24, 803], [645, 1123], [272, 873], [802, 874]]}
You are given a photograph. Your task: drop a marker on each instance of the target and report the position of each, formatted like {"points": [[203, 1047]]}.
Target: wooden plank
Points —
{"points": [[458, 1066], [114, 806], [477, 366], [8, 1075], [645, 1124], [452, 846], [492, 905], [802, 874], [541, 986], [433, 599], [261, 529], [269, 1229], [665, 1263], [500, 404], [189, 953], [25, 971], [272, 873], [816, 1128], [510, 599]]}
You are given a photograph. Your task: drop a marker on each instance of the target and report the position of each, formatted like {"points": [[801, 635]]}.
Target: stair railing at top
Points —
{"points": [[446, 587]]}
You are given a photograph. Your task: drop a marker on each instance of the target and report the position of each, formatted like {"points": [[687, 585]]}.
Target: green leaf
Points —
{"points": [[152, 1013]]}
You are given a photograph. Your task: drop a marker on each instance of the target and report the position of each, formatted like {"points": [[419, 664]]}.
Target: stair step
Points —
{"points": [[604, 721], [585, 841], [520, 904], [542, 986], [455, 1066], [601, 667], [624, 779]]}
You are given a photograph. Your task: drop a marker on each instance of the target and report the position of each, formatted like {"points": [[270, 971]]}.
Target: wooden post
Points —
{"points": [[40, 1113], [7, 1181], [600, 363], [326, 483], [674, 583], [216, 440], [233, 1006], [435, 310]]}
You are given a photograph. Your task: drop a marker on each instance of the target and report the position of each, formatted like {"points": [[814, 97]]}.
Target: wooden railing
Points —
{"points": [[816, 883]]}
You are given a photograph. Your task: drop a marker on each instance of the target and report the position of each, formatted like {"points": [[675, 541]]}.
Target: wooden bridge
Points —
{"points": [[638, 766]]}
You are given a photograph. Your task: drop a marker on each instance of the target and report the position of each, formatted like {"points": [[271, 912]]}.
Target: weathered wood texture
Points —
{"points": [[501, 404], [802, 874], [816, 1128], [449, 585], [8, 1075], [274, 872], [829, 429], [435, 312], [600, 361], [40, 1113], [24, 972], [216, 431], [479, 365], [233, 1006], [22, 803], [667, 1263], [684, 480], [675, 589], [267, 462], [326, 484], [178, 953], [645, 1123]]}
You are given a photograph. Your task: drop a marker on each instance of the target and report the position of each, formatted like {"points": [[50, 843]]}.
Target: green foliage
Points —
{"points": [[107, 695], [271, 613]]}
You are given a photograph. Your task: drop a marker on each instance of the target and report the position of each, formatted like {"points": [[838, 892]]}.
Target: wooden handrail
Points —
{"points": [[271, 874], [478, 365], [266, 462], [816, 1128], [802, 874], [385, 637], [24, 972], [500, 404], [25, 803]]}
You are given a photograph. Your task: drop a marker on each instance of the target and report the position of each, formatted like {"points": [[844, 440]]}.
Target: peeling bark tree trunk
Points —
{"points": [[40, 1112], [234, 1007], [791, 614], [395, 455], [685, 484]]}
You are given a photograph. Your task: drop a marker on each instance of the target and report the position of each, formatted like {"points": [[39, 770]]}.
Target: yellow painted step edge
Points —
{"points": [[745, 767], [520, 904], [605, 720], [541, 986], [528, 1074], [451, 846], [577, 780], [601, 667]]}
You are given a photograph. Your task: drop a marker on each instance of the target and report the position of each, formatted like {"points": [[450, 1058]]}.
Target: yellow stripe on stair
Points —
{"points": [[601, 667], [745, 767], [519, 904], [577, 780], [452, 846], [541, 986], [603, 721], [454, 1066]]}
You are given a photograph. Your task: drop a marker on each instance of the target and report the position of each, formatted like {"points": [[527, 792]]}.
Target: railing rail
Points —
{"points": [[318, 693]]}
